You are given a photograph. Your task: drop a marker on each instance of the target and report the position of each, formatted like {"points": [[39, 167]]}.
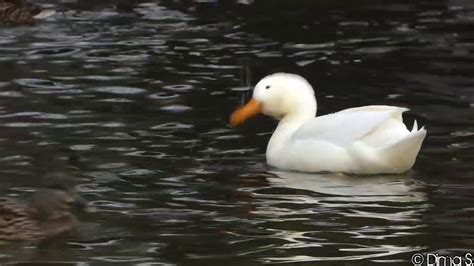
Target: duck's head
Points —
{"points": [[58, 197], [279, 95]]}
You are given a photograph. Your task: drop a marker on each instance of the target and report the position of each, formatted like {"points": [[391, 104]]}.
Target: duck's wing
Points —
{"points": [[351, 125], [17, 221], [10, 207]]}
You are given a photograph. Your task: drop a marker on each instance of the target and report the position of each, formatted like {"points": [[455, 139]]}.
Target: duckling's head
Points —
{"points": [[279, 95]]}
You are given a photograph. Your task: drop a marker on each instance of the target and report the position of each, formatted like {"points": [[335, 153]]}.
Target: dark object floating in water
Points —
{"points": [[48, 216], [19, 12]]}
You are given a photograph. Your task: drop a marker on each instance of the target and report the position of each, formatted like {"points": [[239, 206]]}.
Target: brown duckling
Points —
{"points": [[19, 12], [49, 214]]}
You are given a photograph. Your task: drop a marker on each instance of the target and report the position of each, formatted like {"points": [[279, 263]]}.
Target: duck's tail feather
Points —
{"points": [[402, 153], [415, 126]]}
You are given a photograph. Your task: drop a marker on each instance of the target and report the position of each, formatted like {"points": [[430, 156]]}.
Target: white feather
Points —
{"points": [[415, 127], [347, 126]]}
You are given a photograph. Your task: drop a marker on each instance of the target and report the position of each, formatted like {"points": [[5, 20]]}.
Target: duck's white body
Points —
{"points": [[362, 140]]}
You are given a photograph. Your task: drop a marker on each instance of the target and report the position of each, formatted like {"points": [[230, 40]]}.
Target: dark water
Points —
{"points": [[136, 106]]}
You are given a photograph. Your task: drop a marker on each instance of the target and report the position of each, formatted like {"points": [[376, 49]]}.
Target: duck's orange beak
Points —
{"points": [[252, 108]]}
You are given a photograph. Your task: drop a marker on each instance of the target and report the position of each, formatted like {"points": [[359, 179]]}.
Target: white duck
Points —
{"points": [[363, 140]]}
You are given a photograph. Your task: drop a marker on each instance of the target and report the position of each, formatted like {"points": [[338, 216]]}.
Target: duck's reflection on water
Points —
{"points": [[338, 217], [351, 188]]}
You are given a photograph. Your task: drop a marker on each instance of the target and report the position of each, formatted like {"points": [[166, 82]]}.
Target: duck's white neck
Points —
{"points": [[290, 123]]}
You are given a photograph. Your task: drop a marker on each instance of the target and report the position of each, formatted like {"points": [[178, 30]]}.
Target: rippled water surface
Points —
{"points": [[136, 106]]}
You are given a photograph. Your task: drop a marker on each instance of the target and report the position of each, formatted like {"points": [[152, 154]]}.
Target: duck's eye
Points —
{"points": [[267, 87]]}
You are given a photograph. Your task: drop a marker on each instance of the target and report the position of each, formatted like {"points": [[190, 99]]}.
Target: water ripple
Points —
{"points": [[119, 90]]}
